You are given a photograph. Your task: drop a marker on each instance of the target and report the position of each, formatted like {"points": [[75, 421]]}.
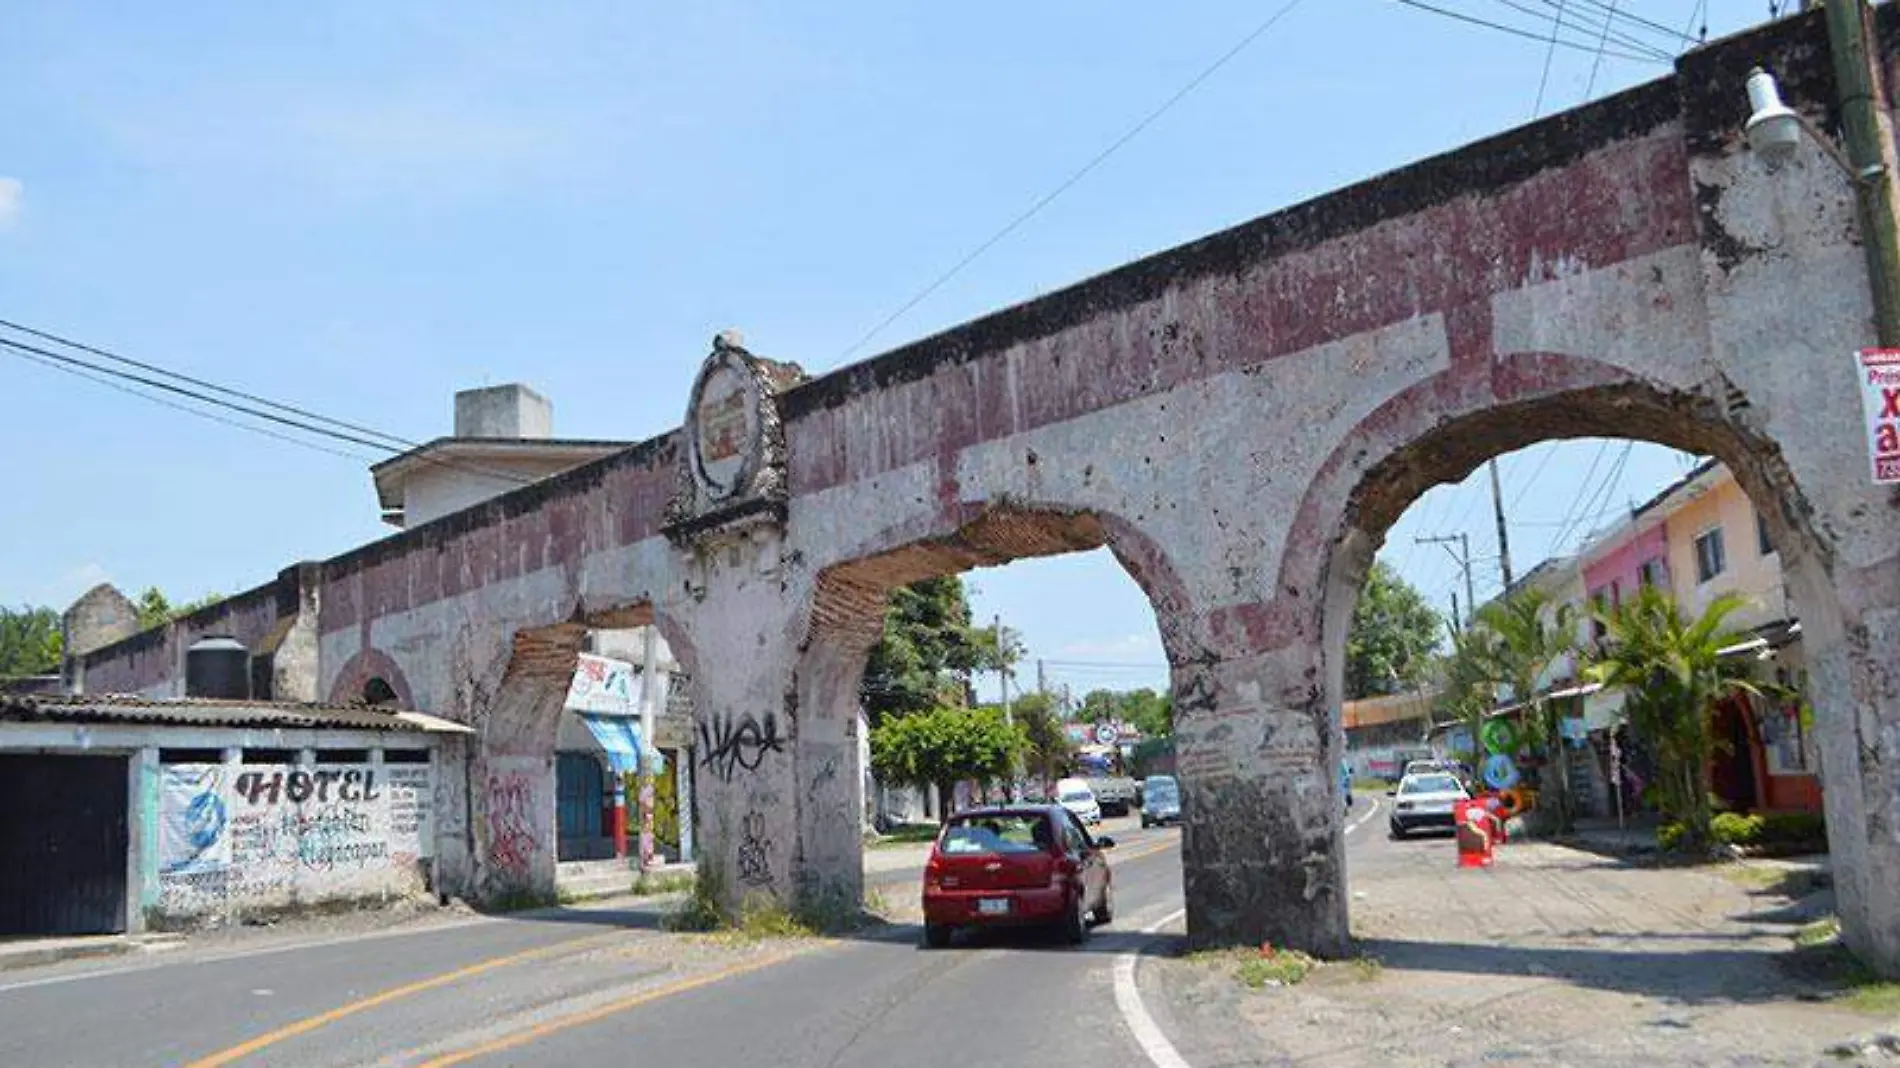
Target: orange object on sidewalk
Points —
{"points": [[1474, 833]]}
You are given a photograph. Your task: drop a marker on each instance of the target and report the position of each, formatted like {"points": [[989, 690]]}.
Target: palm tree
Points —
{"points": [[1529, 636], [1468, 685], [1674, 678]]}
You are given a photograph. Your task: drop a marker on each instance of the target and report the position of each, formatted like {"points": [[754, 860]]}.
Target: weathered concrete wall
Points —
{"points": [[239, 840], [1240, 420]]}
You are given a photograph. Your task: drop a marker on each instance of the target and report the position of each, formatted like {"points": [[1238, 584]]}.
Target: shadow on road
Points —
{"points": [[1691, 976]]}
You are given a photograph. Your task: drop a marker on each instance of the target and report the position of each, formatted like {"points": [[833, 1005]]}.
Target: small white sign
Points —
{"points": [[1106, 734], [1879, 371]]}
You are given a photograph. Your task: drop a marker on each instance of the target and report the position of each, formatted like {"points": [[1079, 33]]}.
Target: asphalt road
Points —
{"points": [[602, 985]]}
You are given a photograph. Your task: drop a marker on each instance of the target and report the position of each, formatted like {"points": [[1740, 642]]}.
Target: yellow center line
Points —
{"points": [[599, 1012], [309, 1024]]}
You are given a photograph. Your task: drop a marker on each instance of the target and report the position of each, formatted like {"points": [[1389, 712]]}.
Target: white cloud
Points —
{"points": [[1142, 649], [12, 200], [59, 593]]}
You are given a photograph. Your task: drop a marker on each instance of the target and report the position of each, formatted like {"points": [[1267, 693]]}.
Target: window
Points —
{"points": [[1711, 559], [1430, 784], [1599, 602], [1654, 573], [1005, 833], [1762, 541], [1072, 830]]}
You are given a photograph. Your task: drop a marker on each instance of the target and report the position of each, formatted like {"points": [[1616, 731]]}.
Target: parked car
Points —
{"points": [[1015, 866], [1160, 800], [1426, 800], [1076, 796]]}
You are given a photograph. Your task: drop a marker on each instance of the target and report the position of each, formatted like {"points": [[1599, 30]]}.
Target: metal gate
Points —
{"points": [[62, 845]]}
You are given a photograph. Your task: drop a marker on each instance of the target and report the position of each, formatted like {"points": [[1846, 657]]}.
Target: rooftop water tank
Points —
{"points": [[218, 668]]}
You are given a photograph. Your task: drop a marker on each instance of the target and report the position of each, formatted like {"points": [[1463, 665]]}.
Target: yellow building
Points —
{"points": [[1718, 545]]}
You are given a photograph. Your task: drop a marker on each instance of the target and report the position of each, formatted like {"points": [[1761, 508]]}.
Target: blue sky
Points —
{"points": [[362, 207]]}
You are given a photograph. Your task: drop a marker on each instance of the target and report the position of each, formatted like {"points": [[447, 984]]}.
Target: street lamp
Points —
{"points": [[1774, 128]]}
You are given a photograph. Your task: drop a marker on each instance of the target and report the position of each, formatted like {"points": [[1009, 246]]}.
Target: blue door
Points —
{"points": [[580, 795]]}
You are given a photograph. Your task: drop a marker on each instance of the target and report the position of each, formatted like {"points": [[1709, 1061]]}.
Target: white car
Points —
{"points": [[1426, 800], [1075, 795]]}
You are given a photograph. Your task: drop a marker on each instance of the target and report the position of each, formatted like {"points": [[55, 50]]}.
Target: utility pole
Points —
{"points": [[649, 728], [1463, 556], [1868, 153], [1042, 680], [1504, 538]]}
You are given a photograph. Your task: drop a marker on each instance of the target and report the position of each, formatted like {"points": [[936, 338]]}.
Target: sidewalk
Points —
{"points": [[1637, 838], [34, 952]]}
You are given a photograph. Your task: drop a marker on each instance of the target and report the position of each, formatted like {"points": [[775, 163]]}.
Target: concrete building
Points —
{"points": [[126, 813], [503, 440]]}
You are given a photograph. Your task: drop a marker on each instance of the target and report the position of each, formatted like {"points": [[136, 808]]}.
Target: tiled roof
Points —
{"points": [[204, 712]]}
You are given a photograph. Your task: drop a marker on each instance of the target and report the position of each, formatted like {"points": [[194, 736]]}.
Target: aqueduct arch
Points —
{"points": [[1242, 416]]}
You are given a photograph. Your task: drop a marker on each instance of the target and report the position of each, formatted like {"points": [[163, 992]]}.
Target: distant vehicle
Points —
{"points": [[1017, 865], [1160, 800], [1115, 791], [1076, 796], [1426, 800]]}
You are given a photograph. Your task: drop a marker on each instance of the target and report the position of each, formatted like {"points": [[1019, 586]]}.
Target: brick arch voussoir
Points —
{"points": [[371, 663], [1334, 503]]}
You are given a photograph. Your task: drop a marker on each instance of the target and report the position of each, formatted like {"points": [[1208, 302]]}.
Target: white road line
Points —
{"points": [[1148, 1034], [1360, 822], [1160, 1052]]}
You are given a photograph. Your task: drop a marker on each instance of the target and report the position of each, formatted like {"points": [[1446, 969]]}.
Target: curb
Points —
{"points": [[35, 956]]}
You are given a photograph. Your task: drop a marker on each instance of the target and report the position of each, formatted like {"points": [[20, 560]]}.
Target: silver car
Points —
{"points": [[1426, 800]]}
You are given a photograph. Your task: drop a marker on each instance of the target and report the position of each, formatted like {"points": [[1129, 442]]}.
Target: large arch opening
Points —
{"points": [[568, 786], [1731, 519], [1021, 552]]}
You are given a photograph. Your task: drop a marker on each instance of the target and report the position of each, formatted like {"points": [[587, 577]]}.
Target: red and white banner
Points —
{"points": [[1879, 371]]}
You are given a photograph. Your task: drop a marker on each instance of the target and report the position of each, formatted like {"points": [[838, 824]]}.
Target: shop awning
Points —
{"points": [[619, 736]]}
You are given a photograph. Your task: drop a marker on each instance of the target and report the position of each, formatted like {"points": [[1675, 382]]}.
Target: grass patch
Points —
{"points": [[1365, 969], [1819, 933], [648, 884], [1370, 786], [1875, 997], [908, 834], [519, 900], [1258, 969]]}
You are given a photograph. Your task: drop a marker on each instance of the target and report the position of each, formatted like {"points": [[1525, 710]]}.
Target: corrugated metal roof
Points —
{"points": [[203, 712]]}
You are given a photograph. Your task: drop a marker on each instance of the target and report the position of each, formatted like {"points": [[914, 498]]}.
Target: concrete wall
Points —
{"points": [[237, 840], [1240, 420], [435, 490]]}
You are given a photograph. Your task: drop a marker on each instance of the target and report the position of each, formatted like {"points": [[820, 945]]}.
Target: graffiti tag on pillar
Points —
{"points": [[511, 823], [728, 744], [755, 851]]}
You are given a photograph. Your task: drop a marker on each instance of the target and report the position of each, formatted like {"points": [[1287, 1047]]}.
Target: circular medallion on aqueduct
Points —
{"points": [[723, 429]]}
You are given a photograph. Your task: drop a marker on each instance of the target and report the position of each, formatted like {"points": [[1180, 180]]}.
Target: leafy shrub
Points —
{"points": [[1794, 829], [1669, 836], [1733, 828]]}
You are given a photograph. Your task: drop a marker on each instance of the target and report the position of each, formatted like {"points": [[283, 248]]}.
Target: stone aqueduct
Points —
{"points": [[1239, 420]]}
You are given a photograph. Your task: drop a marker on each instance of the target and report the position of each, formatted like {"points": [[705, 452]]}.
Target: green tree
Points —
{"points": [[1047, 752], [1673, 678], [1394, 633], [930, 651], [1152, 713], [1528, 633], [156, 610], [30, 642], [944, 746], [1468, 686]]}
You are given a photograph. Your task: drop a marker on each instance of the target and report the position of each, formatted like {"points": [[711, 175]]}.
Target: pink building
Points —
{"points": [[1628, 559]]}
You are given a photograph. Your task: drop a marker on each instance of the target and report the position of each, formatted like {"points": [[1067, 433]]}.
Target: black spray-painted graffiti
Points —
{"points": [[300, 786], [727, 744], [755, 852]]}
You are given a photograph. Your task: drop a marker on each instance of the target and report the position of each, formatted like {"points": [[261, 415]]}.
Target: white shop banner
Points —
{"points": [[1879, 373]]}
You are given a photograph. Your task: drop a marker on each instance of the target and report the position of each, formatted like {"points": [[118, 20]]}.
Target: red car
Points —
{"points": [[1016, 866]]}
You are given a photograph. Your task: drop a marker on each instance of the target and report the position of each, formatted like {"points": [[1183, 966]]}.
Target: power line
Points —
{"points": [[186, 408], [1083, 172], [1569, 514], [1516, 31], [1590, 87], [1570, 20], [1550, 53], [154, 383], [296, 420], [1608, 10], [46, 335]]}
